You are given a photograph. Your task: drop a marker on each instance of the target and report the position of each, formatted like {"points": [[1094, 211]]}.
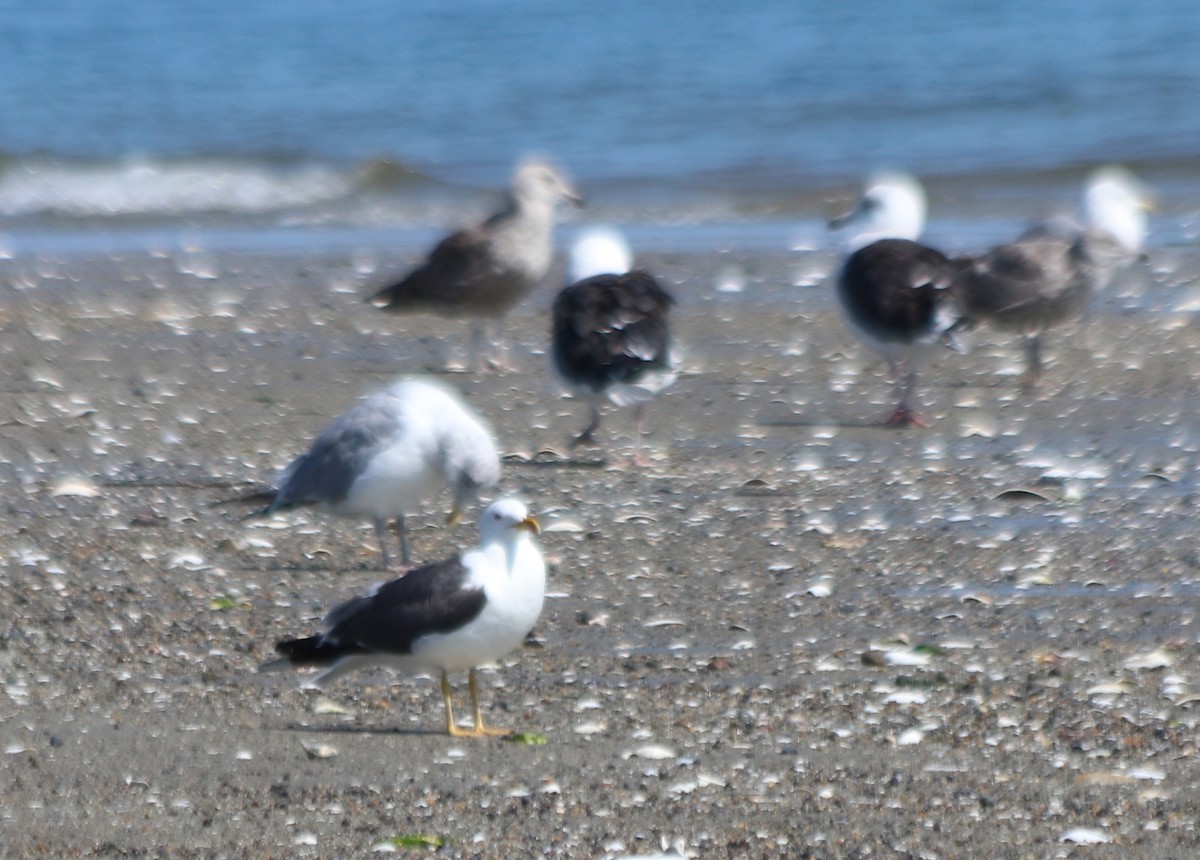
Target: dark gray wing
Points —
{"points": [[430, 599], [893, 288], [611, 328], [455, 277], [339, 455]]}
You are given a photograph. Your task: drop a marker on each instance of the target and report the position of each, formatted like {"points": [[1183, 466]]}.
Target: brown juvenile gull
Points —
{"points": [[610, 338], [448, 616], [1050, 273], [894, 291], [482, 271], [387, 455]]}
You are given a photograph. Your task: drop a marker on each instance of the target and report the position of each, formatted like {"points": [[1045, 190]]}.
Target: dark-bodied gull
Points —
{"points": [[892, 289], [1051, 272], [445, 617], [482, 271], [610, 338], [388, 454]]}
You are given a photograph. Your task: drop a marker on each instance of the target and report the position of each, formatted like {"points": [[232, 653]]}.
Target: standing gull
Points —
{"points": [[892, 289], [448, 616], [1050, 273], [609, 334], [387, 455], [483, 271]]}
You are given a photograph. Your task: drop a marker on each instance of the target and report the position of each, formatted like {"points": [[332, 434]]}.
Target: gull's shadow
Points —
{"points": [[793, 420], [549, 460], [355, 730]]}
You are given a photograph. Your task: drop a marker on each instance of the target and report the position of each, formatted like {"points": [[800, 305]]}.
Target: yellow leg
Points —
{"points": [[480, 729], [452, 728]]}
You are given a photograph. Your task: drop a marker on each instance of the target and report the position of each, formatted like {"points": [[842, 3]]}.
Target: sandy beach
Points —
{"points": [[796, 634]]}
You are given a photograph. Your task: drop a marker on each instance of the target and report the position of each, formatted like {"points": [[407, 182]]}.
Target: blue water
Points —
{"points": [[346, 113]]}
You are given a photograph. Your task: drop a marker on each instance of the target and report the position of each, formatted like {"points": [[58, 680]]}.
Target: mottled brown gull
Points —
{"points": [[1049, 275], [482, 271]]}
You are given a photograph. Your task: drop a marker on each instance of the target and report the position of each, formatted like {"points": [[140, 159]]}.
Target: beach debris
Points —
{"points": [[1156, 659], [651, 752], [822, 586], [318, 750], [532, 739], [1085, 836], [75, 486], [324, 705]]}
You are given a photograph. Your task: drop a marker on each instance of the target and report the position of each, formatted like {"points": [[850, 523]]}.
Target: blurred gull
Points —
{"points": [[892, 289], [1051, 272], [483, 271], [387, 455], [610, 338]]}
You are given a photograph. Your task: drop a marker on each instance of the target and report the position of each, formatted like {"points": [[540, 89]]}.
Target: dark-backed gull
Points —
{"points": [[388, 454], [445, 617], [892, 289], [482, 271], [1051, 272], [610, 338]]}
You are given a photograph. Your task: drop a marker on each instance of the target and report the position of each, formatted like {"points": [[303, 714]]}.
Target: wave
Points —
{"points": [[155, 187]]}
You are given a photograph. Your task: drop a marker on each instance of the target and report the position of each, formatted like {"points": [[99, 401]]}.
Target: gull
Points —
{"points": [[610, 338], [387, 455], [894, 291], [1050, 273], [452, 615], [482, 271]]}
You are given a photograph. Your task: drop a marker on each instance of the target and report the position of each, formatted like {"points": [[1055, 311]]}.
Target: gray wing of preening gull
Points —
{"points": [[389, 454], [483, 270], [340, 455]]}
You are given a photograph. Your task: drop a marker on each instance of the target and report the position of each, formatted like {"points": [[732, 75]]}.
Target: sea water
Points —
{"points": [[373, 115]]}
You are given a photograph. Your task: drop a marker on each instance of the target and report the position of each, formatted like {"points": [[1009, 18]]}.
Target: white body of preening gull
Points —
{"points": [[893, 290], [483, 271], [446, 617], [390, 453], [1050, 273], [610, 338]]}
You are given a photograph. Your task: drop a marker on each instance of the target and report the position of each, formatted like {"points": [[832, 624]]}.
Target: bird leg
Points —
{"points": [[480, 729], [587, 435], [402, 530], [381, 534], [639, 418], [1033, 361], [906, 382]]}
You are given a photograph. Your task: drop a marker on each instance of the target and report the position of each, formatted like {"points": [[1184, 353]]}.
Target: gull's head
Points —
{"points": [[538, 182], [892, 206], [599, 251], [506, 518], [1116, 201]]}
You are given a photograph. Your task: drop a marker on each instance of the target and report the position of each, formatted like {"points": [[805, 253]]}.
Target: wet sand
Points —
{"points": [[794, 635]]}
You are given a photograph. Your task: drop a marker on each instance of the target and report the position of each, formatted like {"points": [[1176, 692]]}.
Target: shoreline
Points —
{"points": [[796, 634]]}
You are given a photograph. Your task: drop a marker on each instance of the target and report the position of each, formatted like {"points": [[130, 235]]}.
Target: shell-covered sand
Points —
{"points": [[794, 635]]}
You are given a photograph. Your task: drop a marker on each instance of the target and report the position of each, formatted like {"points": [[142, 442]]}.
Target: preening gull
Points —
{"points": [[610, 338], [1050, 273], [448, 616], [893, 290], [482, 271], [387, 455]]}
